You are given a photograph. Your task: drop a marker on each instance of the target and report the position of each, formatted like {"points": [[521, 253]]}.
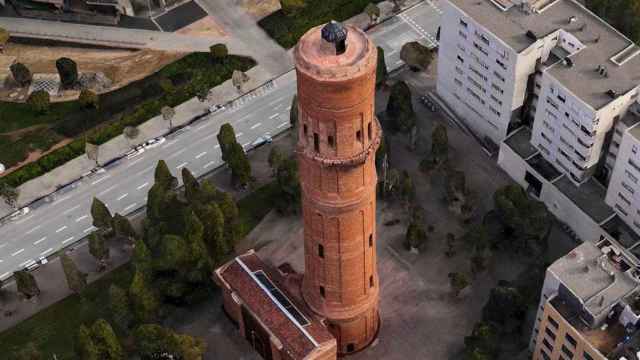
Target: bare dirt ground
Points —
{"points": [[205, 27], [259, 8], [120, 66]]}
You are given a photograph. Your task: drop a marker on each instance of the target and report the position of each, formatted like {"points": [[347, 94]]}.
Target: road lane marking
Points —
{"points": [[204, 126], [39, 241], [147, 169], [282, 125], [17, 252], [123, 196], [274, 115], [67, 240], [33, 229], [276, 100], [391, 52], [129, 207], [142, 186], [3, 245], [176, 153], [135, 162], [217, 146], [208, 164], [3, 275], [106, 190], [243, 118], [61, 199], [82, 218], [26, 263], [255, 126], [277, 107], [238, 135], [182, 165], [46, 251], [398, 62], [101, 179], [170, 143], [70, 210], [89, 229], [62, 228], [23, 220], [288, 107], [201, 155]]}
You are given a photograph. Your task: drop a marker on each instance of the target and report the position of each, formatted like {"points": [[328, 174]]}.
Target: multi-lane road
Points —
{"points": [[124, 185]]}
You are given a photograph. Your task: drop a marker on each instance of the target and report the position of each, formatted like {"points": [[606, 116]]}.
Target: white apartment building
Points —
{"points": [[560, 116]]}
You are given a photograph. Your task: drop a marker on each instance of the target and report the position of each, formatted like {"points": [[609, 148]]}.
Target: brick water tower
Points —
{"points": [[338, 138]]}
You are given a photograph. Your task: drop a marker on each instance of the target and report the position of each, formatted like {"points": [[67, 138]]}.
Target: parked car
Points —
{"points": [[31, 265], [43, 260], [150, 144], [135, 152], [216, 108], [261, 140], [16, 214], [428, 103]]}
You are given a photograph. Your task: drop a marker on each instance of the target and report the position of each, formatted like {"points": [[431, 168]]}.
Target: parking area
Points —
{"points": [[180, 16]]}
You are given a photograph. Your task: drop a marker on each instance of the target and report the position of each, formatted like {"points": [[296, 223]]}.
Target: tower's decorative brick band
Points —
{"points": [[338, 137]]}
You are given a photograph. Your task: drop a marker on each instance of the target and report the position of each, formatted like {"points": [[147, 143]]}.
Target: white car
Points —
{"points": [[16, 214], [43, 260], [215, 108], [261, 140], [135, 152], [150, 144]]}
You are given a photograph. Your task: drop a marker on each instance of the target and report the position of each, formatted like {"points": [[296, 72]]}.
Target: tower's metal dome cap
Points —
{"points": [[334, 32]]}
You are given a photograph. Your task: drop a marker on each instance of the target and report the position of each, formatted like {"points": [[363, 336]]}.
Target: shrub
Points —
{"points": [[39, 101]]}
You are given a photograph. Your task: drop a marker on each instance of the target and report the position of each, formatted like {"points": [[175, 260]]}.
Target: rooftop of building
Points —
{"points": [[520, 142], [264, 292], [630, 119], [596, 286], [519, 29], [589, 197], [633, 120]]}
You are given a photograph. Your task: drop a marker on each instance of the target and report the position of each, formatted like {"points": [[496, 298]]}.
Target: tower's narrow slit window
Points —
{"points": [[359, 135], [316, 142], [369, 130], [370, 240], [371, 281], [320, 250], [341, 46], [351, 347], [322, 291], [330, 141], [304, 129]]}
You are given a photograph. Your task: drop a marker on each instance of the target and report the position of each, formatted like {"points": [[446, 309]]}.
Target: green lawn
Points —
{"points": [[135, 104], [54, 329], [286, 30]]}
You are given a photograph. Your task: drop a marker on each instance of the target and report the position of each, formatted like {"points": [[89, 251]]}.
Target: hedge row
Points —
{"points": [[198, 67], [286, 30]]}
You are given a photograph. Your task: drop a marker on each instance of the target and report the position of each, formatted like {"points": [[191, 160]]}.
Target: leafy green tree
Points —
{"points": [[29, 352], [417, 56], [153, 339], [39, 101], [130, 133], [106, 341], [226, 138], [477, 237], [292, 7], [4, 38], [407, 190], [26, 284], [219, 52], [458, 282], [293, 112], [98, 248], [240, 166], [232, 224], [439, 144], [141, 259], [68, 71], [275, 159], [163, 176], [622, 14], [214, 237], [506, 308], [482, 344], [400, 111], [85, 348], [8, 193], [21, 74], [167, 114], [102, 218], [144, 301], [526, 222], [120, 308], [373, 11], [191, 186], [381, 68], [89, 99], [416, 236], [289, 186], [173, 254], [123, 227], [76, 279]]}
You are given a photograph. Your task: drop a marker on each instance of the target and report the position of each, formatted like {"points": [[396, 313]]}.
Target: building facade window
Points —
{"points": [[320, 251], [571, 340], [322, 291], [316, 142], [370, 240]]}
